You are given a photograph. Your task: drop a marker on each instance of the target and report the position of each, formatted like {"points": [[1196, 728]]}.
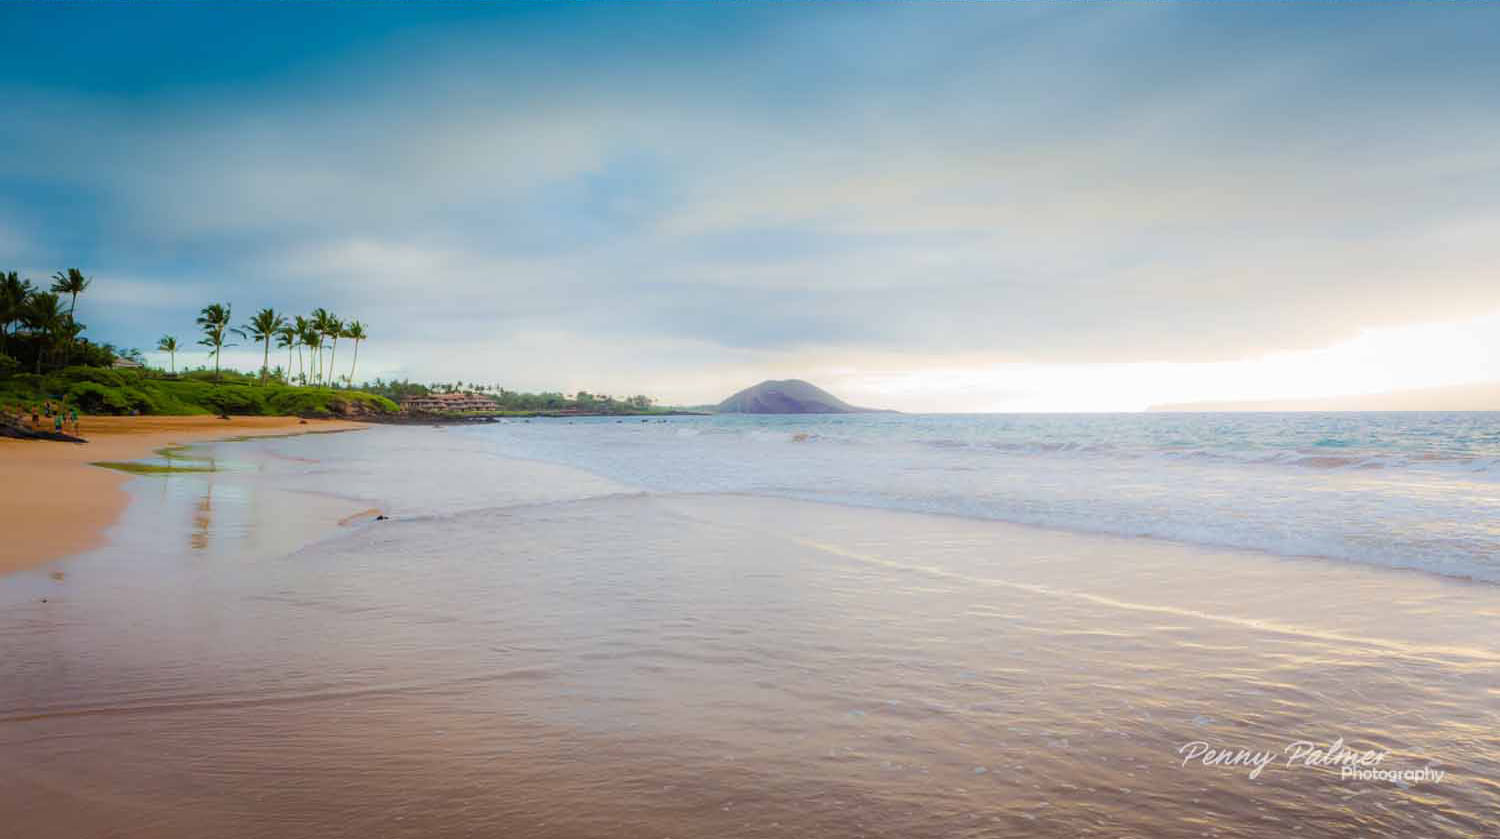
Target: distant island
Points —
{"points": [[788, 396], [1475, 397]]}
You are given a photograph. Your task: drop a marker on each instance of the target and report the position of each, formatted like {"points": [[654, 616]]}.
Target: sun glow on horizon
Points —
{"points": [[1378, 360]]}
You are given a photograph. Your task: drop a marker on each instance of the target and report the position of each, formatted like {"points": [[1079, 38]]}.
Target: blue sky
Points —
{"points": [[958, 206]]}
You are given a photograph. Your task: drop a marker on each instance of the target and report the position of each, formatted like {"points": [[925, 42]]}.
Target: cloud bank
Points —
{"points": [[675, 199]]}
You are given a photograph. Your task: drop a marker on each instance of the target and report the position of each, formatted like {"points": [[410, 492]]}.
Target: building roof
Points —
{"points": [[448, 402]]}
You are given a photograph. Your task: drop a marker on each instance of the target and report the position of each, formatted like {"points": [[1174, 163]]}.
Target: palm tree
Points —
{"points": [[168, 345], [314, 341], [335, 331], [14, 292], [73, 283], [320, 323], [355, 332], [286, 336], [327, 327], [263, 327], [43, 315], [214, 319], [302, 326], [66, 335]]}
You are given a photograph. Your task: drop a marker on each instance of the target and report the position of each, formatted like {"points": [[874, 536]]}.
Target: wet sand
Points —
{"points": [[635, 664], [55, 503]]}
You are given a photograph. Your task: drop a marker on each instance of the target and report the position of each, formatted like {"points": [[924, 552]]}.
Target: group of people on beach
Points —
{"points": [[58, 414]]}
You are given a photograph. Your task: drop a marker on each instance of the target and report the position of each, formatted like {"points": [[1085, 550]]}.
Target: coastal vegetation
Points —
{"points": [[214, 321], [101, 390], [168, 345], [135, 468], [517, 403], [37, 332], [44, 357]]}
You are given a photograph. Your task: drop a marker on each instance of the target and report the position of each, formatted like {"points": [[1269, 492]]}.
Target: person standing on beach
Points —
{"points": [[75, 420]]}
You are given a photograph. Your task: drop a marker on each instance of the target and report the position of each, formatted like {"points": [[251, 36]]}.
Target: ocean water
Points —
{"points": [[601, 629], [1408, 490]]}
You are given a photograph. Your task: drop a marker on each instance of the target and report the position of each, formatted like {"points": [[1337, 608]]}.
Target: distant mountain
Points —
{"points": [[1480, 397], [787, 396]]}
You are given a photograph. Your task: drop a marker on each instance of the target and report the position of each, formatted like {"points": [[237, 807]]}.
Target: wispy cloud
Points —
{"points": [[778, 186]]}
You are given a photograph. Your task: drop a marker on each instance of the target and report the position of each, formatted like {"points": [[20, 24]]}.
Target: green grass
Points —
{"points": [[99, 390], [151, 468], [177, 453]]}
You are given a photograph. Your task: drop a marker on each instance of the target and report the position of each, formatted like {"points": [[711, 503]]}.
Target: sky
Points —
{"points": [[954, 207]]}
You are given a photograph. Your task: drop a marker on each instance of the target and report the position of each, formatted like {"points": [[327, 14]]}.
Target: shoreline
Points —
{"points": [[528, 609], [62, 503], [482, 417], [887, 656]]}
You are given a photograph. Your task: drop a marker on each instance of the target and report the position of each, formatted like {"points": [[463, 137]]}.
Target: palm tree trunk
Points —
{"points": [[333, 354], [265, 360], [173, 357], [354, 363]]}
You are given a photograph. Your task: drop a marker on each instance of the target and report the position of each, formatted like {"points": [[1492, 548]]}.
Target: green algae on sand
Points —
{"points": [[152, 468]]}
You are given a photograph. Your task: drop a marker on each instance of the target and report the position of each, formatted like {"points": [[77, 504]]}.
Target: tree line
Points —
{"points": [[312, 334], [37, 331], [510, 400]]}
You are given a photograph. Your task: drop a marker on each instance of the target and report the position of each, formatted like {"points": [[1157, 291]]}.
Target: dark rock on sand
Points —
{"points": [[24, 433]]}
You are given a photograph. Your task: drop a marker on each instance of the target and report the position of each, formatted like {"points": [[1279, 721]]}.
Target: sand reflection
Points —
{"points": [[728, 666]]}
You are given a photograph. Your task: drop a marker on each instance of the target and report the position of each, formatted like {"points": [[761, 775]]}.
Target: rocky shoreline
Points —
{"points": [[481, 418]]}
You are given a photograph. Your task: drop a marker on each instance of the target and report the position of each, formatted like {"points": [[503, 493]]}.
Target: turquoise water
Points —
{"points": [[1408, 490], [525, 648]]}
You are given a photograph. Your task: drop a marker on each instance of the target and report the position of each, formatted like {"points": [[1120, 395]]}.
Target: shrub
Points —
{"points": [[95, 398], [102, 390], [99, 375], [234, 399]]}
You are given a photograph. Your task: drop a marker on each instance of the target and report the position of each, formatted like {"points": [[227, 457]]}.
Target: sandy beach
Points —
{"points": [[56, 503], [527, 649], [775, 420]]}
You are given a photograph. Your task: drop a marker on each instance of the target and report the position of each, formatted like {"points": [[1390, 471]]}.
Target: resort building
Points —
{"points": [[434, 402]]}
